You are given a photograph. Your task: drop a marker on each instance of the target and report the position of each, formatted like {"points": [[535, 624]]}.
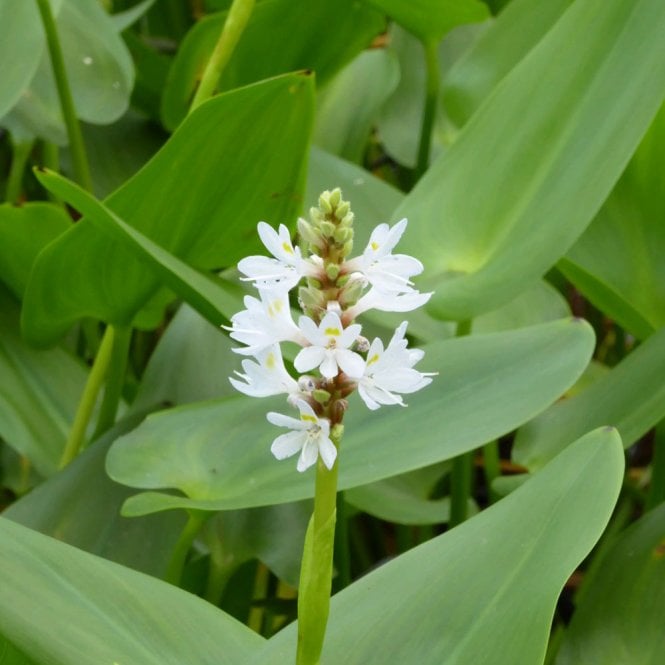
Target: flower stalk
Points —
{"points": [[334, 360]]}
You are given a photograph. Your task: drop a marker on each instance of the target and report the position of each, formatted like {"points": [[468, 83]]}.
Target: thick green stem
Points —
{"points": [[317, 567], [460, 478], [76, 145], [460, 488], [89, 398], [432, 91], [234, 26], [115, 379], [491, 464], [195, 520], [21, 152]]}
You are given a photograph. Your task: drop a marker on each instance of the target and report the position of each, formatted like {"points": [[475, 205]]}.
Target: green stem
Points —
{"points": [[657, 486], [492, 466], [114, 380], [234, 26], [460, 478], [89, 398], [460, 488], [432, 91], [76, 145], [317, 566], [21, 152], [195, 519]]}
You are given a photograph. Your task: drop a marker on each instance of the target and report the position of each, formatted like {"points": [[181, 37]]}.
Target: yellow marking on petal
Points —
{"points": [[287, 248], [270, 361], [374, 245], [333, 331], [306, 416], [274, 308], [373, 359]]}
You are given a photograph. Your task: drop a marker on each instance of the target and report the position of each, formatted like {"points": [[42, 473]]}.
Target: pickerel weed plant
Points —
{"points": [[458, 457], [332, 346]]}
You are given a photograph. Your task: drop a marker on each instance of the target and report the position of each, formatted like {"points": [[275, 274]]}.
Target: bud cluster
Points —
{"points": [[334, 359]]}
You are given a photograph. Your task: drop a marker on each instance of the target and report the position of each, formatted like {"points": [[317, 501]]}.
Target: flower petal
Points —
{"points": [[285, 421], [308, 456], [309, 358], [327, 451], [328, 367], [351, 363], [288, 444]]}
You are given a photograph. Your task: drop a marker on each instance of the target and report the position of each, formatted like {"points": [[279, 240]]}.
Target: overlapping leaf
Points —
{"points": [[218, 455], [456, 600], [531, 169], [106, 613], [199, 198]]}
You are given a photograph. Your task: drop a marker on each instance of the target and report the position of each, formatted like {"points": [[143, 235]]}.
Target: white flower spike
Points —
{"points": [[285, 270], [385, 271], [310, 435], [266, 377], [329, 350], [391, 372]]}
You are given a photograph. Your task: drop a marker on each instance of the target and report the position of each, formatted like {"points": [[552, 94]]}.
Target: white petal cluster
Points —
{"points": [[389, 373], [333, 358], [310, 436], [283, 271]]}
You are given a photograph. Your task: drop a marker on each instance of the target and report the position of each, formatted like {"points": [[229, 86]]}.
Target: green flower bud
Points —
{"points": [[342, 235], [332, 270], [348, 246], [321, 396], [328, 229], [335, 197]]}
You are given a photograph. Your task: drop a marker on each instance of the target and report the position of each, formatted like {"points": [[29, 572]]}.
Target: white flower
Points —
{"points": [[390, 273], [387, 302], [329, 349], [310, 435], [266, 377], [391, 371], [285, 270], [264, 322]]}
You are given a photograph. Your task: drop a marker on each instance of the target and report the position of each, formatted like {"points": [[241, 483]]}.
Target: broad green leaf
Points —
{"points": [[630, 397], [511, 36], [619, 620], [25, 231], [21, 44], [404, 499], [39, 393], [91, 611], [191, 199], [485, 592], [210, 299], [618, 262], [116, 152], [529, 171], [432, 19], [217, 453], [10, 655], [279, 38], [191, 362], [99, 69], [80, 505], [342, 126]]}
